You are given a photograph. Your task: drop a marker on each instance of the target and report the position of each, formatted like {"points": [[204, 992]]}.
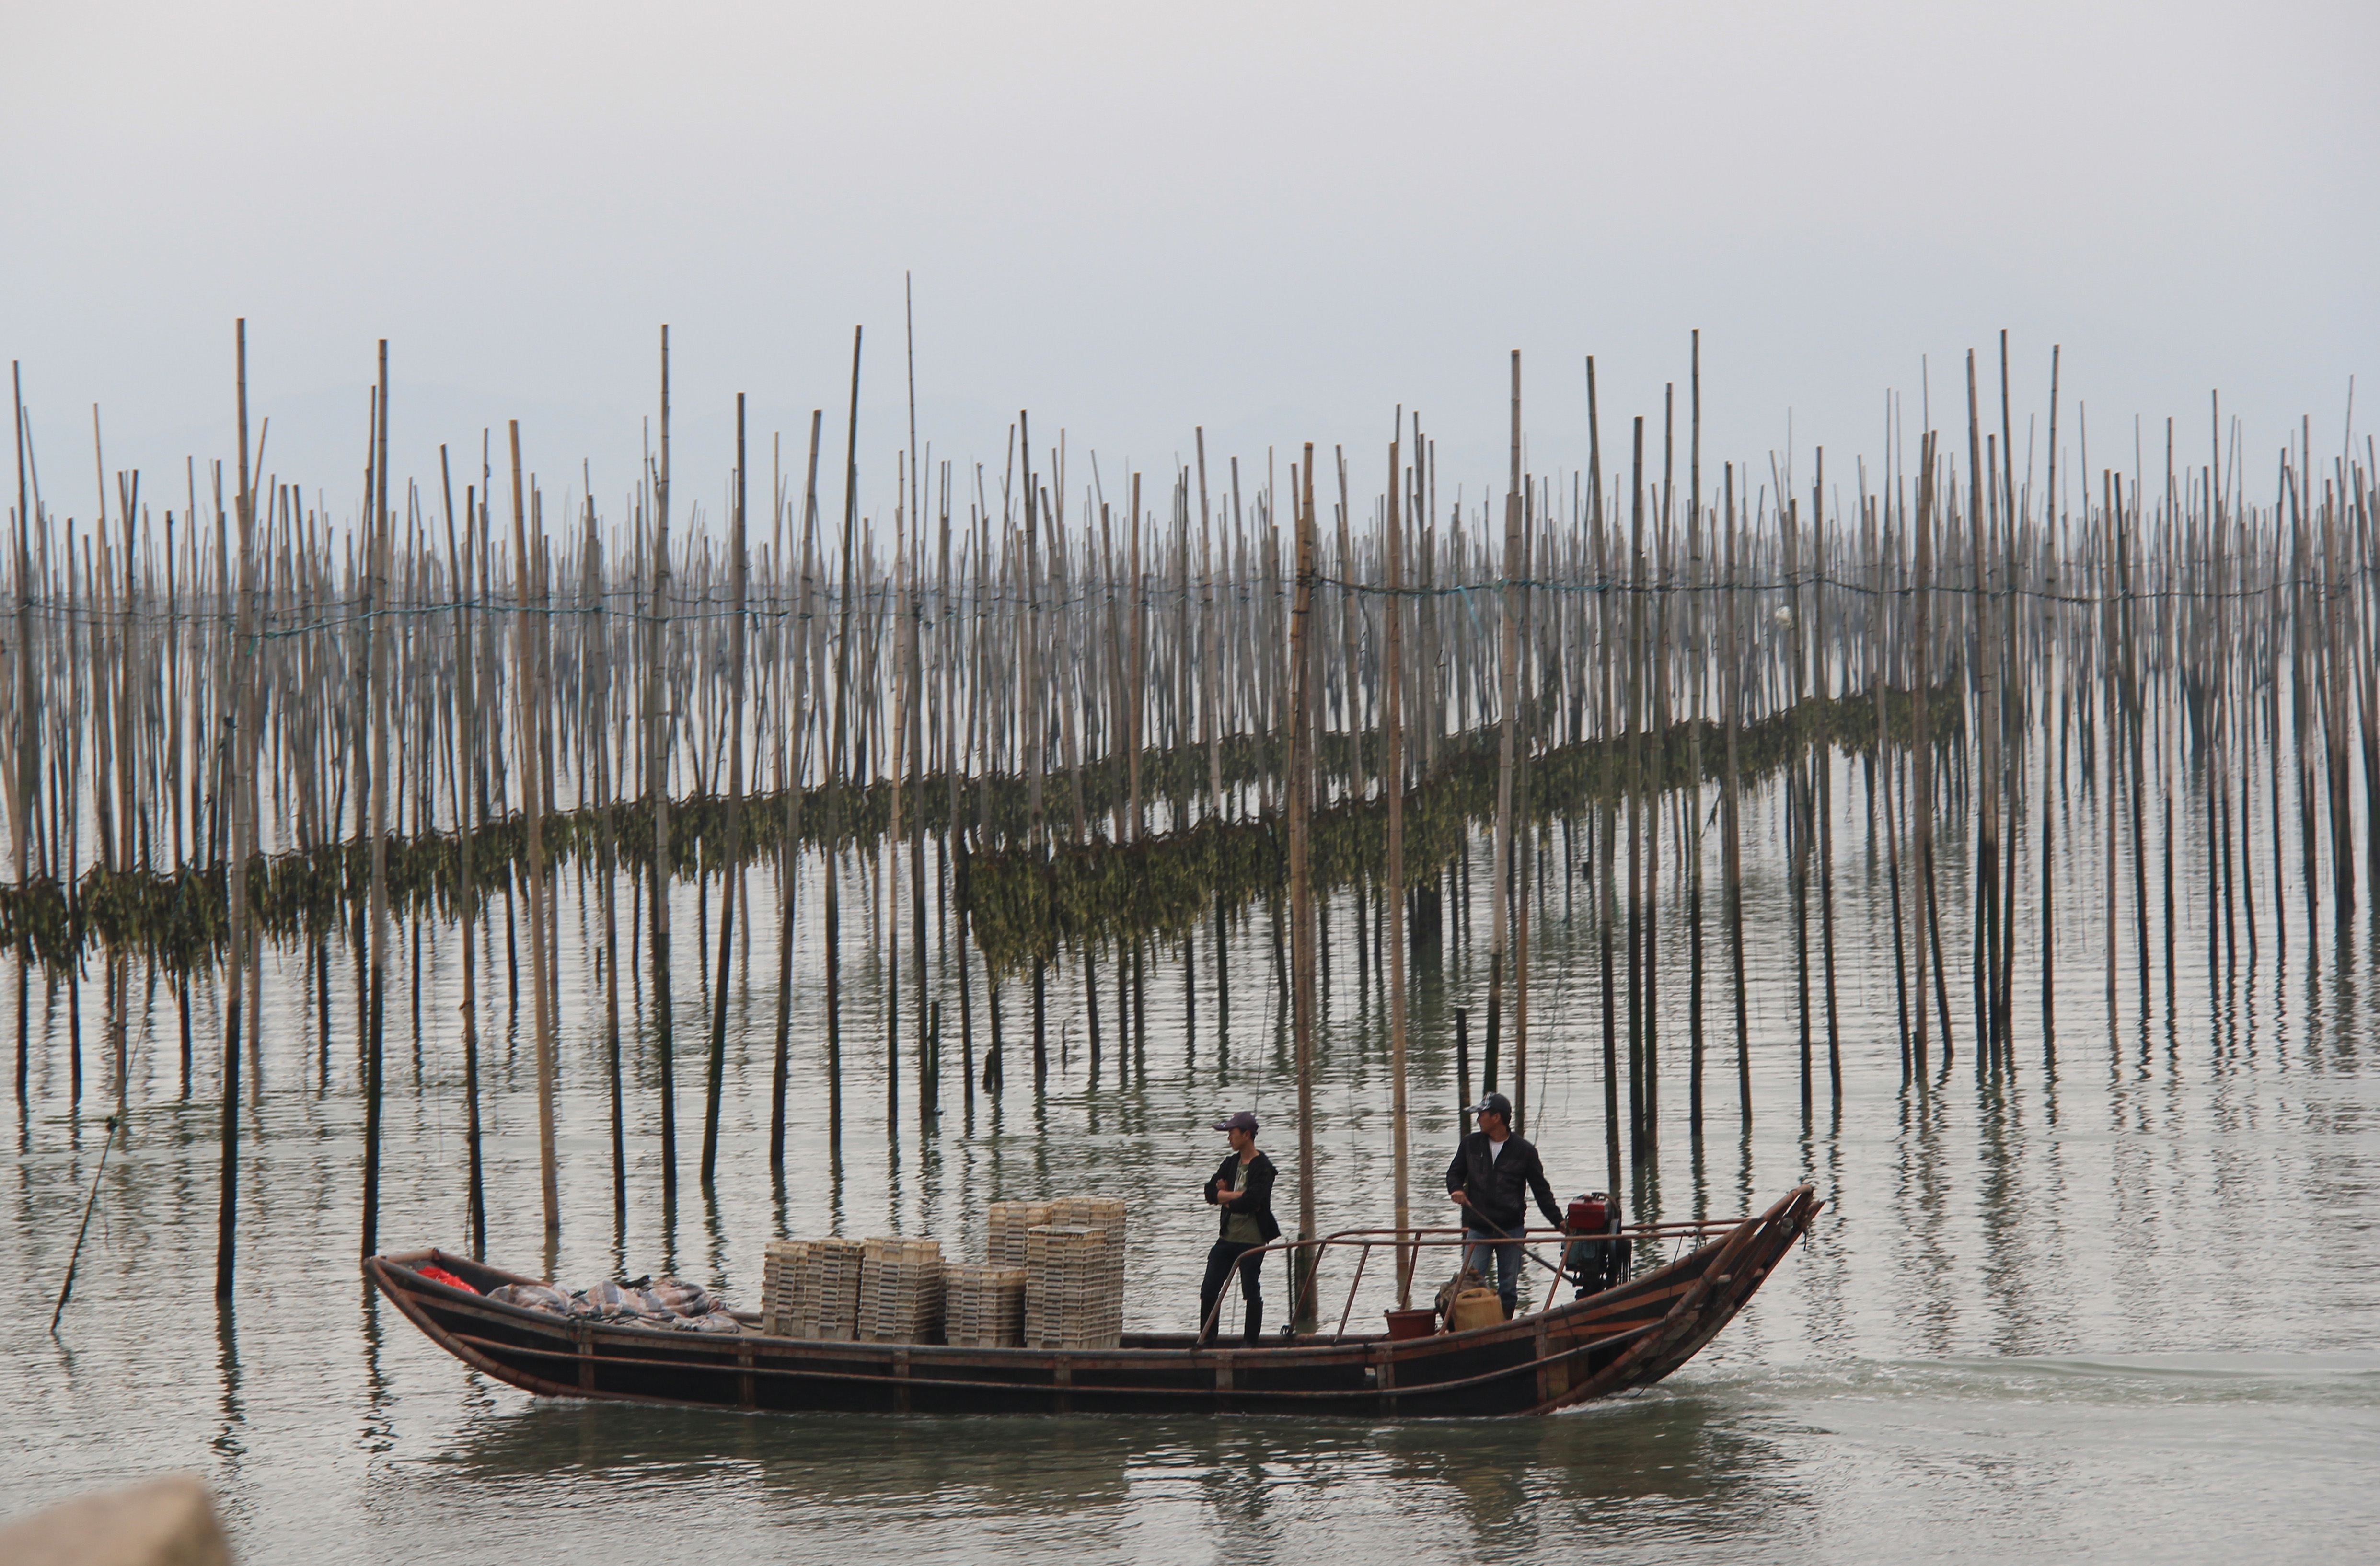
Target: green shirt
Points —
{"points": [[1240, 1229]]}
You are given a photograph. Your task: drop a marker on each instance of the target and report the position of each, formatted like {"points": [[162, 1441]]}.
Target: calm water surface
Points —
{"points": [[2118, 1303]]}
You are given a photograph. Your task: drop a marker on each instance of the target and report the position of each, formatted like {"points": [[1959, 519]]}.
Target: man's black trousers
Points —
{"points": [[1227, 1255]]}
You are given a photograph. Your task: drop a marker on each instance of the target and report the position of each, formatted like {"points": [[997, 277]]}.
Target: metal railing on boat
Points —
{"points": [[1414, 1240]]}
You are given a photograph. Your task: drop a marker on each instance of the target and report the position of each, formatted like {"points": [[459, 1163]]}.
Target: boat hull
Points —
{"points": [[1626, 1337]]}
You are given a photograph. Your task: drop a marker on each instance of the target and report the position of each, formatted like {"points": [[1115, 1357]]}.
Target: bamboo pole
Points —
{"points": [[1507, 700], [1698, 647], [803, 704], [1824, 687], [529, 690], [1887, 768], [606, 789], [839, 739], [1301, 896], [379, 544], [2048, 925], [1921, 732], [466, 824], [1523, 859], [929, 1068], [658, 737], [238, 712], [28, 715], [1985, 675], [1632, 727], [737, 627], [1606, 911], [1393, 777]]}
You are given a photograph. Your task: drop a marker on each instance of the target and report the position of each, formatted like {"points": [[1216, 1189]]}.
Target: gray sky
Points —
{"points": [[1278, 221]]}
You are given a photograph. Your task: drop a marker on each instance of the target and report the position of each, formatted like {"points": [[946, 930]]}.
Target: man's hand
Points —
{"points": [[1223, 1193], [1460, 1198]]}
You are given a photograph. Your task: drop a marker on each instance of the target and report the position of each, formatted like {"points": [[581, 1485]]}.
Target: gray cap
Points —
{"points": [[1243, 1120], [1494, 1104]]}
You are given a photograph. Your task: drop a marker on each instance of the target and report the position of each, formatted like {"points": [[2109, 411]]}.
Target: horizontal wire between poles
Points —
{"points": [[980, 605]]}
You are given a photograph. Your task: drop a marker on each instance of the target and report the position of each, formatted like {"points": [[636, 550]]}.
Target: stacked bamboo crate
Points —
{"points": [[1073, 1289], [783, 1262], [901, 1291], [983, 1305], [811, 1288], [1053, 1280], [1069, 1303], [1105, 1214], [1005, 1233]]}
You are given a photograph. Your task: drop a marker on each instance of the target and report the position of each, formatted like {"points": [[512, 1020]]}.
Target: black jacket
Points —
{"points": [[1256, 1204], [1495, 1185]]}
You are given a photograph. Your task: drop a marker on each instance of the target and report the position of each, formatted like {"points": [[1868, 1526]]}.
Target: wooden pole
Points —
{"points": [[1920, 732], [600, 725], [379, 544], [731, 864], [1522, 857], [1507, 698], [466, 724], [29, 716], [929, 1065], [238, 709], [1606, 780], [2049, 928], [1633, 723], [1799, 783], [1301, 889], [1822, 686], [657, 756], [836, 761], [802, 708], [1984, 676], [928, 1072], [1393, 893], [1698, 646], [534, 803]]}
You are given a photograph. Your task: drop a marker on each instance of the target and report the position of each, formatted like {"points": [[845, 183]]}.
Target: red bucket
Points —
{"points": [[1404, 1324]]}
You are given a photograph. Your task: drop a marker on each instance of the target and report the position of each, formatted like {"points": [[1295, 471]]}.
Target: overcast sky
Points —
{"points": [[1276, 221]]}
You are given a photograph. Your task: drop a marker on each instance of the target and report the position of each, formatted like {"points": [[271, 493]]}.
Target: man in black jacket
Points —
{"points": [[1491, 1173], [1243, 1188]]}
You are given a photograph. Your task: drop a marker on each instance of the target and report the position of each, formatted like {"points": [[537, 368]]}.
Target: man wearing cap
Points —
{"points": [[1493, 1173], [1243, 1188]]}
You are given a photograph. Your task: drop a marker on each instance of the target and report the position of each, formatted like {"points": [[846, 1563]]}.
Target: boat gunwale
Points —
{"points": [[1333, 1349]]}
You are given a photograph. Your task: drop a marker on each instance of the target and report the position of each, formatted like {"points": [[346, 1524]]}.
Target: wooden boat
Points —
{"points": [[1570, 1353]]}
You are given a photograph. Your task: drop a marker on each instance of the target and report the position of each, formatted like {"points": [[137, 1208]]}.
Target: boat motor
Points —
{"points": [[1600, 1262]]}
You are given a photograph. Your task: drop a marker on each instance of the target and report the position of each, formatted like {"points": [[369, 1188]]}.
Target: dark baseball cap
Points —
{"points": [[1243, 1120], [1494, 1104]]}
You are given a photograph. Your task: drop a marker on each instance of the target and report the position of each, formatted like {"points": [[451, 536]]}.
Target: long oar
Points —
{"points": [[75, 1259]]}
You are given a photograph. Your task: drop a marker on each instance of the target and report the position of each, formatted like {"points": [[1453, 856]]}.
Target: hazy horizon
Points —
{"points": [[1279, 227]]}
